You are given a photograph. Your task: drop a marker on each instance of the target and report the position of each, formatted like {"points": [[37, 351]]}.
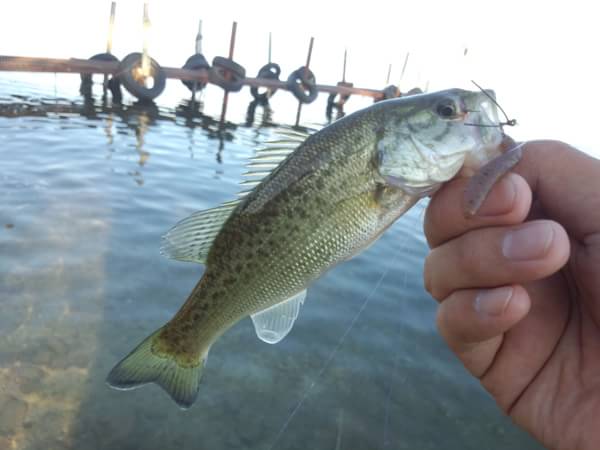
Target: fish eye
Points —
{"points": [[446, 109]]}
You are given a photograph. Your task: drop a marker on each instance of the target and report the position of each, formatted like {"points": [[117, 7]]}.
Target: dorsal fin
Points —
{"points": [[192, 238]]}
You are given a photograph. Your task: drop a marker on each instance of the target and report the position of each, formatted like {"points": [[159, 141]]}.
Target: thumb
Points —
{"points": [[565, 182], [473, 323]]}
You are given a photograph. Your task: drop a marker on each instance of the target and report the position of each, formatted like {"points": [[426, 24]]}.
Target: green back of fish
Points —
{"points": [[324, 204]]}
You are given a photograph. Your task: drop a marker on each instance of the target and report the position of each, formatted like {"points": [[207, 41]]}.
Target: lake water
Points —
{"points": [[85, 194]]}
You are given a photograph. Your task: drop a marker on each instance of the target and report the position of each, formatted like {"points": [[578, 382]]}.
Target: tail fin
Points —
{"points": [[143, 365]]}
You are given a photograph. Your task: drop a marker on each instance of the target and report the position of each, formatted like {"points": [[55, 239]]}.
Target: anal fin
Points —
{"points": [[274, 323]]}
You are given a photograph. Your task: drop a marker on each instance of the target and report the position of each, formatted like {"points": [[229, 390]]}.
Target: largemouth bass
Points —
{"points": [[321, 204]]}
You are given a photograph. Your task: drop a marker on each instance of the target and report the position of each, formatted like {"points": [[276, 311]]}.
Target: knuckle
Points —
{"points": [[468, 254], [444, 217], [427, 281], [431, 224], [440, 321], [431, 281]]}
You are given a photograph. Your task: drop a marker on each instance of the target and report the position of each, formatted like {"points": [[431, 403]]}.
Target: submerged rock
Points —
{"points": [[13, 411], [30, 378]]}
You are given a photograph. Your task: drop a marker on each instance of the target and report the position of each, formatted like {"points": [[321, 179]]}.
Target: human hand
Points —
{"points": [[519, 286]]}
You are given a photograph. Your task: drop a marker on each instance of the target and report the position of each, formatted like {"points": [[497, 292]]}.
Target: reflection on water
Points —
{"points": [[86, 191], [267, 113]]}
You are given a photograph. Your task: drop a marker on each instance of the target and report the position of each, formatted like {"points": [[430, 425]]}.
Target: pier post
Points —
{"points": [[270, 42], [109, 41], [111, 26], [403, 68], [199, 37], [198, 51], [145, 69], [231, 49], [306, 67]]}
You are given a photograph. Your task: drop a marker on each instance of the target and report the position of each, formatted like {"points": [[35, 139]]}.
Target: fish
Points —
{"points": [[313, 202]]}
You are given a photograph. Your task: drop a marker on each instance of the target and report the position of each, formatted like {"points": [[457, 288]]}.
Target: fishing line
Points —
{"points": [[388, 399], [338, 439], [519, 146], [483, 126], [333, 352], [509, 122], [339, 344]]}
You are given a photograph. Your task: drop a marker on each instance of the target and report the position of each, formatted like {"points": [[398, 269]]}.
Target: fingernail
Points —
{"points": [[501, 199], [530, 241], [493, 302]]}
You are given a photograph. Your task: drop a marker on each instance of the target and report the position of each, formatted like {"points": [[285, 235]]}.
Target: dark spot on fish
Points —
{"points": [[320, 183], [263, 253], [270, 212], [9, 226], [237, 239], [379, 191], [379, 130], [239, 267]]}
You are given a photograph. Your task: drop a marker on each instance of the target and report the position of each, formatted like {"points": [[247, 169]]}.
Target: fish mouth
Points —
{"points": [[482, 109], [489, 113], [483, 120], [490, 129]]}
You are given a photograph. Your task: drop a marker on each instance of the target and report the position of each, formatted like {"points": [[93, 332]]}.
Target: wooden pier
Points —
{"points": [[74, 65], [145, 78]]}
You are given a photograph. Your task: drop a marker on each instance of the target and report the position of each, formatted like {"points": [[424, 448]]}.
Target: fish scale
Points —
{"points": [[325, 202], [335, 226]]}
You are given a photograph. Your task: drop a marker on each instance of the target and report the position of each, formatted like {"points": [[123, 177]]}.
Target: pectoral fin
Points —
{"points": [[274, 323]]}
